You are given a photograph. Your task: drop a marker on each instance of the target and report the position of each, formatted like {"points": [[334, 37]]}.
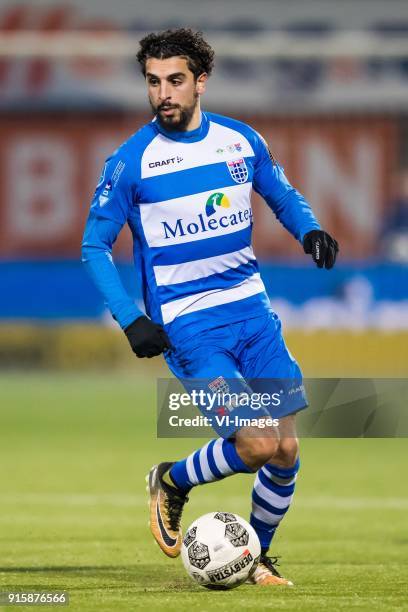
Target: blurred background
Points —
{"points": [[326, 83]]}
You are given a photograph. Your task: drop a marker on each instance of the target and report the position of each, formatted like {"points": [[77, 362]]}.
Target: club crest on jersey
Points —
{"points": [[238, 170]]}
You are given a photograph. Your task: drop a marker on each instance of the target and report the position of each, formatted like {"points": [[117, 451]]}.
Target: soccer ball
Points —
{"points": [[220, 550]]}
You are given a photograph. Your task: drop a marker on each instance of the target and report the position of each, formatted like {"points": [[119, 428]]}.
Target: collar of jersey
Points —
{"points": [[190, 136]]}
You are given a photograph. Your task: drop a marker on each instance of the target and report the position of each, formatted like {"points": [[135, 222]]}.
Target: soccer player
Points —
{"points": [[182, 183]]}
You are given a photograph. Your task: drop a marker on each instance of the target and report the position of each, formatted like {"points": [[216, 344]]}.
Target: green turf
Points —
{"points": [[74, 452]]}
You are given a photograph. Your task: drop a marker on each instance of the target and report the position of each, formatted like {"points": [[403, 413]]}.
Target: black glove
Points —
{"points": [[322, 247], [146, 338]]}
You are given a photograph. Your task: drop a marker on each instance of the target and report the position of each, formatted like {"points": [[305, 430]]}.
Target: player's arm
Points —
{"points": [[109, 211], [291, 208]]}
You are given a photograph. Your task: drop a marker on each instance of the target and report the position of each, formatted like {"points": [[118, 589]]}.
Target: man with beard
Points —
{"points": [[183, 185]]}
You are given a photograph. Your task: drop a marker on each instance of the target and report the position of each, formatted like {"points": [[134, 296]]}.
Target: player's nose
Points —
{"points": [[164, 93]]}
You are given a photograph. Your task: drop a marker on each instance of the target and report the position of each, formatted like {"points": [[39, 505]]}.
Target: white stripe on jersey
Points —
{"points": [[184, 220], [207, 299], [200, 268], [163, 155]]}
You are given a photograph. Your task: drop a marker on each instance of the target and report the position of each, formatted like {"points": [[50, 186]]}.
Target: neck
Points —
{"points": [[195, 120]]}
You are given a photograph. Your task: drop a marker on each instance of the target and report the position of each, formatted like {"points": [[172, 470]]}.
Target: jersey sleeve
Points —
{"points": [[289, 206], [112, 200]]}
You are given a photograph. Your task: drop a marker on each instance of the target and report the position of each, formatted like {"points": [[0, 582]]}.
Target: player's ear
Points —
{"points": [[201, 83]]}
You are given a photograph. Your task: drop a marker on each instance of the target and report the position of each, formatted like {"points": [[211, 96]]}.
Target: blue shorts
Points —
{"points": [[248, 354]]}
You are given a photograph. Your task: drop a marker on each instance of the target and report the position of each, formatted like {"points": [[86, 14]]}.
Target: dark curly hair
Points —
{"points": [[184, 42]]}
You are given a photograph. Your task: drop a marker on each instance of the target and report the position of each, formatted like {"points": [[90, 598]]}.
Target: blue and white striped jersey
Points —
{"points": [[186, 198]]}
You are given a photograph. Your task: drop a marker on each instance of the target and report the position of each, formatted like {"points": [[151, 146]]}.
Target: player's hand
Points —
{"points": [[322, 247], [146, 338]]}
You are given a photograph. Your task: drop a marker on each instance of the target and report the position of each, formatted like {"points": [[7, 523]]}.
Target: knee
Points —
{"points": [[255, 452], [287, 453]]}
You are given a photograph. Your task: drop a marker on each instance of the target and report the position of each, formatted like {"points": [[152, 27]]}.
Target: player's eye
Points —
{"points": [[153, 82], [176, 82]]}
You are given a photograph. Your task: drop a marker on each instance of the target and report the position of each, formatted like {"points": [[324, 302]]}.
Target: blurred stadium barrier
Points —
{"points": [[322, 353], [327, 88]]}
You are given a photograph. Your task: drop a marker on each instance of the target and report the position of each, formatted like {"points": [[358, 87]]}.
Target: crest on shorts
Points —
{"points": [[219, 385], [238, 170]]}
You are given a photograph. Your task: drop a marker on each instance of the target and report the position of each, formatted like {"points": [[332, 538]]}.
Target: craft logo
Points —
{"points": [[166, 162], [216, 199], [238, 170]]}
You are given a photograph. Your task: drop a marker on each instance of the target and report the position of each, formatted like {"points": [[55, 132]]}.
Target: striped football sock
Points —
{"points": [[214, 461], [271, 497]]}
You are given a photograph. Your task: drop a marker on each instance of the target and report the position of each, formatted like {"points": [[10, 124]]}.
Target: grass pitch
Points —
{"points": [[74, 453]]}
